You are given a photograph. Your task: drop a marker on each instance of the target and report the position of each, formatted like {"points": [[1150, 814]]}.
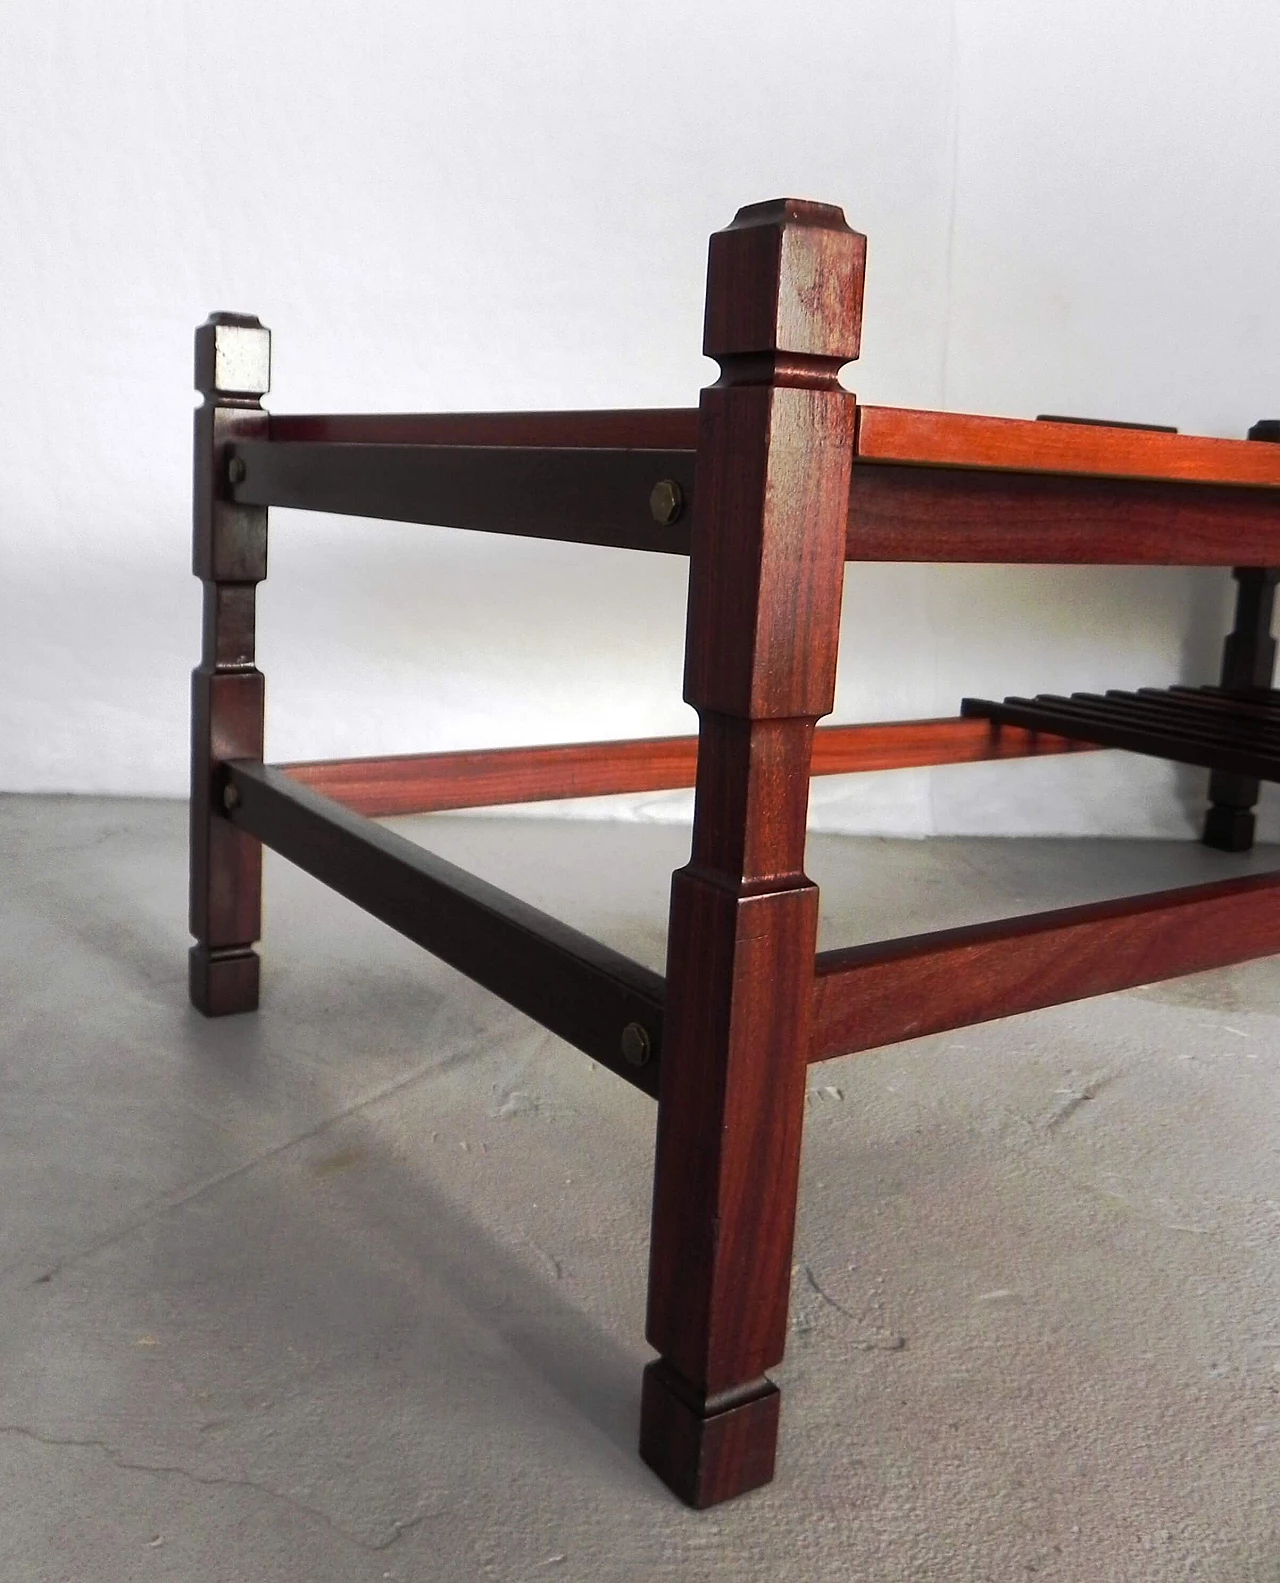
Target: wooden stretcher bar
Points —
{"points": [[490, 777], [872, 995], [583, 495], [580, 989]]}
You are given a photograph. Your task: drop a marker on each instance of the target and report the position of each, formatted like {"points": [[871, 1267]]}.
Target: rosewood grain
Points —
{"points": [[571, 984], [873, 995], [233, 367], [490, 777], [913, 513], [775, 442]]}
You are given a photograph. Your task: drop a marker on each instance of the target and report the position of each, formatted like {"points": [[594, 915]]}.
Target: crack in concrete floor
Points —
{"points": [[168, 1204], [222, 1481]]}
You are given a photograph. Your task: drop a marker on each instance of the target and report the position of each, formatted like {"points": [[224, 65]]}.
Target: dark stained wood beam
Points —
{"points": [[640, 428], [597, 999], [576, 494]]}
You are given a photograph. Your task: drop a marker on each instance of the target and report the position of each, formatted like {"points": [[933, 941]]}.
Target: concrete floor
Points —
{"points": [[353, 1289]]}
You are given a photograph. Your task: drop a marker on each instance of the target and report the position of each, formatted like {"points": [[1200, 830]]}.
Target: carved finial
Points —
{"points": [[233, 358], [784, 293]]}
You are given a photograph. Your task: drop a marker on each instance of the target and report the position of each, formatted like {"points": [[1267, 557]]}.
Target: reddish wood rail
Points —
{"points": [[1020, 445], [918, 513], [490, 777], [879, 994]]}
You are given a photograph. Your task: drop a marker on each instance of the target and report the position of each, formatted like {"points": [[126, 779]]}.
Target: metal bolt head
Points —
{"points": [[636, 1044], [230, 797], [236, 470], [666, 501]]}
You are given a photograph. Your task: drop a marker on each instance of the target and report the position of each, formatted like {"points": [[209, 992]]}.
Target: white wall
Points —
{"points": [[1071, 207]]}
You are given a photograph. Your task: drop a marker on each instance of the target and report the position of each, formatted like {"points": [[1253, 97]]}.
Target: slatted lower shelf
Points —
{"points": [[1210, 726]]}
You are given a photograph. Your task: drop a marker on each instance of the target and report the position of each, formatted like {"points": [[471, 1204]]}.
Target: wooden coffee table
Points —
{"points": [[768, 487]]}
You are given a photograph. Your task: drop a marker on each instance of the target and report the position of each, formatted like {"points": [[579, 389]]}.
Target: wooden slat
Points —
{"points": [[650, 429], [1136, 726], [490, 777], [918, 513], [571, 984], [1160, 709], [1264, 702], [578, 495], [956, 439], [1213, 715], [879, 994]]}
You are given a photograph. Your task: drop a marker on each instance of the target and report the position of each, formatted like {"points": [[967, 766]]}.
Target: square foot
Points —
{"points": [[711, 1452], [224, 981], [1228, 829]]}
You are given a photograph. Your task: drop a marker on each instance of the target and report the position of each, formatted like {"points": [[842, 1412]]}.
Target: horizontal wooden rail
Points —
{"points": [[885, 434], [490, 777], [577, 494], [571, 984], [873, 995], [1056, 445], [926, 486], [640, 428], [948, 513]]}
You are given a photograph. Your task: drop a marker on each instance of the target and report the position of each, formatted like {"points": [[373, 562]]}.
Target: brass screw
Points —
{"points": [[230, 797], [666, 501], [236, 470], [636, 1044]]}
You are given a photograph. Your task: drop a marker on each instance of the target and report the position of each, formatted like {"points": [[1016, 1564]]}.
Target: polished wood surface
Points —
{"points": [[1019, 445], [233, 361], [580, 989], [873, 995], [916, 513], [784, 297], [490, 777]]}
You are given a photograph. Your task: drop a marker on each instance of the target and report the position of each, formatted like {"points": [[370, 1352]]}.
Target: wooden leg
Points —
{"points": [[233, 359], [1248, 660], [775, 442]]}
